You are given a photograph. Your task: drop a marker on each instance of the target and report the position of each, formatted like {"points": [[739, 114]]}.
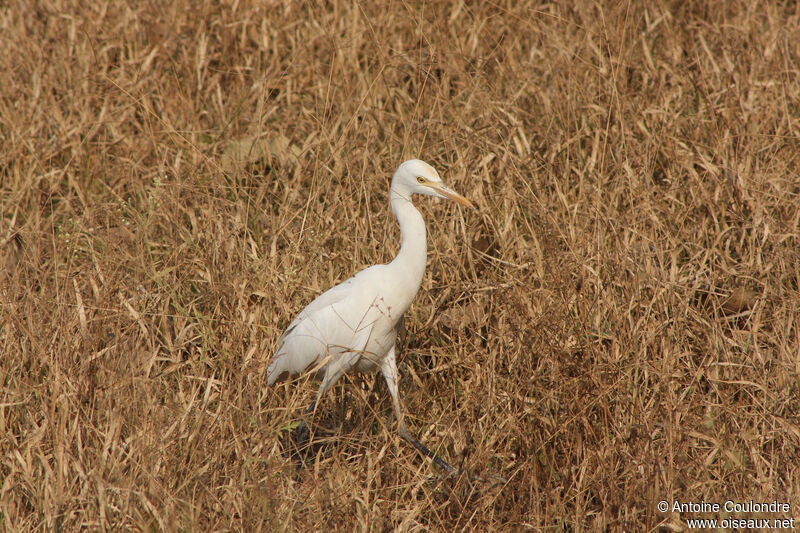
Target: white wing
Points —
{"points": [[339, 321]]}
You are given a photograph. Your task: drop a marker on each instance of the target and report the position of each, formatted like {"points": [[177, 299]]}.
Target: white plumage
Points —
{"points": [[352, 326]]}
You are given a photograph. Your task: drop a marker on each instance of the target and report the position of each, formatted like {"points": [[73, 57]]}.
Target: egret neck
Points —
{"points": [[413, 255]]}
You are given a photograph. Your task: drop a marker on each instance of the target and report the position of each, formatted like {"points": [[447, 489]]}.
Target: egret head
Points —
{"points": [[418, 177]]}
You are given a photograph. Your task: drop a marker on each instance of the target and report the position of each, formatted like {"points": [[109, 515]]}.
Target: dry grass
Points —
{"points": [[634, 164]]}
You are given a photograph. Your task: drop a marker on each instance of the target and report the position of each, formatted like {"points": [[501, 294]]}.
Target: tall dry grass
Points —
{"points": [[617, 325]]}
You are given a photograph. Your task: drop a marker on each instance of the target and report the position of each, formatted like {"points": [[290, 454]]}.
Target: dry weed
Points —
{"points": [[616, 326]]}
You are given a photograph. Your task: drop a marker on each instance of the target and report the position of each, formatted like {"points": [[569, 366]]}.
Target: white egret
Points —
{"points": [[352, 327]]}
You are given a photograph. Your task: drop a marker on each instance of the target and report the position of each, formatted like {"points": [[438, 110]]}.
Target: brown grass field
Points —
{"points": [[616, 325]]}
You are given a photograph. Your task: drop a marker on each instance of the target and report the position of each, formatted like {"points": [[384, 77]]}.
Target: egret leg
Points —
{"points": [[333, 372], [302, 433], [390, 374], [312, 406]]}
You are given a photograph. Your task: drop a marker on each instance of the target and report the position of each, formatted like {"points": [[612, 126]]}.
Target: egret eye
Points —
{"points": [[420, 179]]}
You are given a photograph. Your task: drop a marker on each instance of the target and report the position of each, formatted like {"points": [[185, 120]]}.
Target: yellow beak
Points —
{"points": [[444, 190]]}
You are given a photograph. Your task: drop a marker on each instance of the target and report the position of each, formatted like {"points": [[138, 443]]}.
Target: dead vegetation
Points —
{"points": [[616, 326]]}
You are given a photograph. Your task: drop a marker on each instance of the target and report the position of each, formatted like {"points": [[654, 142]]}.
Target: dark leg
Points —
{"points": [[297, 442], [311, 407], [403, 430]]}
